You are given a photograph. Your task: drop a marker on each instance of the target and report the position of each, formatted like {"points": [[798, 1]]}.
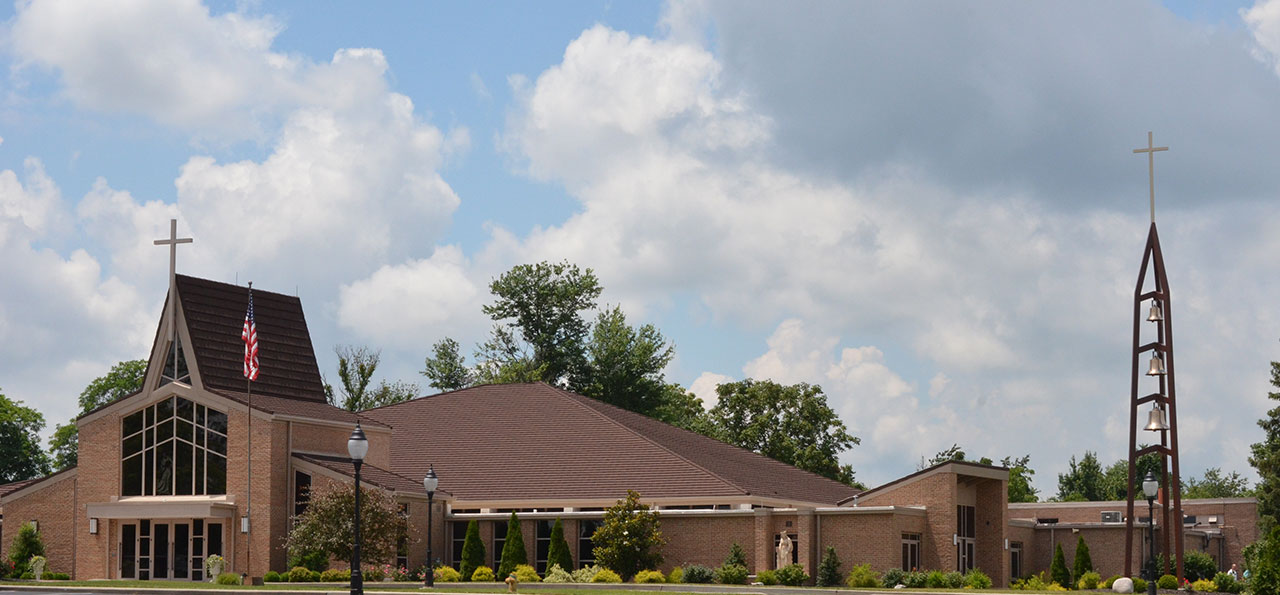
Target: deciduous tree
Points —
{"points": [[20, 454], [624, 364], [1215, 484], [543, 303], [327, 525], [1266, 459], [356, 365], [792, 424], [446, 367], [1083, 481]]}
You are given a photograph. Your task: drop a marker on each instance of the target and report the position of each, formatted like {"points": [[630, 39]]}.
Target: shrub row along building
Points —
{"points": [[193, 465]]}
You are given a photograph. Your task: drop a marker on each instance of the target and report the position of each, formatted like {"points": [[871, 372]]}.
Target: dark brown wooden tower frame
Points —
{"points": [[1166, 397]]}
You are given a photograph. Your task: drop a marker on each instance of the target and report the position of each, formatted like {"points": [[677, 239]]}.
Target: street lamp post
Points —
{"points": [[1149, 487], [357, 447], [430, 482]]}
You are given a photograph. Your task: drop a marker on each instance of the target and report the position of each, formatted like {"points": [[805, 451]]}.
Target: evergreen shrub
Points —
{"points": [[1058, 569], [650, 576], [315, 576], [1139, 585], [952, 580], [1204, 585], [892, 577], [1167, 581], [556, 574], [334, 575], [56, 576], [977, 579], [527, 574], [606, 576], [863, 577], [829, 568], [513, 553], [298, 574], [935, 579], [1083, 562], [1089, 580], [793, 575], [558, 553], [698, 574], [228, 578], [767, 577], [1110, 581], [472, 552], [736, 556], [271, 577], [483, 574], [731, 574], [447, 574], [676, 576]]}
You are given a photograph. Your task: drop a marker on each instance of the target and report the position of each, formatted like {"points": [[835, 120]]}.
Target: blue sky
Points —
{"points": [[931, 211]]}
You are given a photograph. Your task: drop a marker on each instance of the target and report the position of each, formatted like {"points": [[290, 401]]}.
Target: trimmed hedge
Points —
{"points": [[650, 576], [228, 578], [483, 574]]}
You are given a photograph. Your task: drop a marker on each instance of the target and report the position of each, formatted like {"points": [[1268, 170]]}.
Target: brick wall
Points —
{"points": [[48, 504], [98, 480], [1106, 548], [874, 539], [937, 493], [706, 540], [992, 524]]}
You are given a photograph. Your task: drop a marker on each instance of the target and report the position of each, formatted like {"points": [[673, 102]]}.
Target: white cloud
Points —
{"points": [[704, 386], [411, 304], [1263, 20], [1013, 310]]}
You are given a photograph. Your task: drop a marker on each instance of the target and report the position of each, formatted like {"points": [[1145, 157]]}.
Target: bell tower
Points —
{"points": [[1154, 359]]}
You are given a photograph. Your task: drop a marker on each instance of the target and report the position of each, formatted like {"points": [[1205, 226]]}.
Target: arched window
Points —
{"points": [[174, 447]]}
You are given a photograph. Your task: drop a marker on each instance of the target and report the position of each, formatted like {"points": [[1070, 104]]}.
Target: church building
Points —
{"points": [[201, 462]]}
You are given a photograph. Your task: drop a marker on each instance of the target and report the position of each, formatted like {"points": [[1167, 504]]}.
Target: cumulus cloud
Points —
{"points": [[1263, 20], [426, 295], [1009, 306]]}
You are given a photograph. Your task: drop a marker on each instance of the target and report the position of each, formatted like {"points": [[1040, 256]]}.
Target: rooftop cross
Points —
{"points": [[1150, 150], [173, 242]]}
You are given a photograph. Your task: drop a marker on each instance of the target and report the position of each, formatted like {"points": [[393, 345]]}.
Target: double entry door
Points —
{"points": [[168, 549]]}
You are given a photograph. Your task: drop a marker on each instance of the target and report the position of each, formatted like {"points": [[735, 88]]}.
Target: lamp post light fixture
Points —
{"points": [[1149, 487], [430, 482], [357, 447]]}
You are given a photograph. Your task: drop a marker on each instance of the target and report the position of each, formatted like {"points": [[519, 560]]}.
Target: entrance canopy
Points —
{"points": [[165, 507]]}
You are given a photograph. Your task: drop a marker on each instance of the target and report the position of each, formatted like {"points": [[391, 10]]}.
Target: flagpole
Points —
{"points": [[248, 382]]}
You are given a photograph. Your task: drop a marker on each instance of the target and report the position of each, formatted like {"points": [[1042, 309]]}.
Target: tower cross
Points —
{"points": [[1150, 150], [173, 242]]}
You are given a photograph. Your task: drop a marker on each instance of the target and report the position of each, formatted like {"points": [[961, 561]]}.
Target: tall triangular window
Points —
{"points": [[174, 354]]}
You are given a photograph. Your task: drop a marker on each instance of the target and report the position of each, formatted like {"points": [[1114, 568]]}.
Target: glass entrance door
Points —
{"points": [[168, 549]]}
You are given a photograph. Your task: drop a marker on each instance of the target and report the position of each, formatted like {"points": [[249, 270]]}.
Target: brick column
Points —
{"points": [[806, 541], [764, 539]]}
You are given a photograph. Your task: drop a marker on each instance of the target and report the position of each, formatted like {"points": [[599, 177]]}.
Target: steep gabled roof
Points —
{"points": [[215, 316], [533, 441]]}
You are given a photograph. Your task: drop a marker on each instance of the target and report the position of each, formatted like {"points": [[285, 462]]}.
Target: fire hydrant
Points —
{"points": [[512, 583]]}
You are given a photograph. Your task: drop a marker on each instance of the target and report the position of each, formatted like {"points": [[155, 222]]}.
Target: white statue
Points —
{"points": [[784, 551]]}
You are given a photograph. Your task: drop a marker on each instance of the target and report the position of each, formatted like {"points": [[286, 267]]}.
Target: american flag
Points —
{"points": [[250, 337]]}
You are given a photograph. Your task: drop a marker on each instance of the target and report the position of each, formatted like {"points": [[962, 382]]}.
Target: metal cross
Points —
{"points": [[173, 242], [1151, 171]]}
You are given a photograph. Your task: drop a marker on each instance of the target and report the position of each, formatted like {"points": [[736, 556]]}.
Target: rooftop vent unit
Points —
{"points": [[1111, 516], [1213, 520], [1048, 521], [1188, 519]]}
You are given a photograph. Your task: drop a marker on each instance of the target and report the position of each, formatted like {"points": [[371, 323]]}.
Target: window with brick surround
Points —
{"points": [[910, 551], [586, 549], [459, 539], [1015, 559], [174, 447], [301, 492], [499, 540]]}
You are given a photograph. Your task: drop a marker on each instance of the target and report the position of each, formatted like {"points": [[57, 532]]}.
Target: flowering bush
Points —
{"points": [[585, 574], [401, 574]]}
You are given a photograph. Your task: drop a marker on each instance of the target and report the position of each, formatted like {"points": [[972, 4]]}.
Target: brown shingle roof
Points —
{"points": [[299, 408], [215, 316], [533, 441], [374, 475], [10, 488]]}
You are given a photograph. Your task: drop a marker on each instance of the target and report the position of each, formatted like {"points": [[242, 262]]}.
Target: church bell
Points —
{"points": [[1157, 366], [1155, 315], [1155, 420]]}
